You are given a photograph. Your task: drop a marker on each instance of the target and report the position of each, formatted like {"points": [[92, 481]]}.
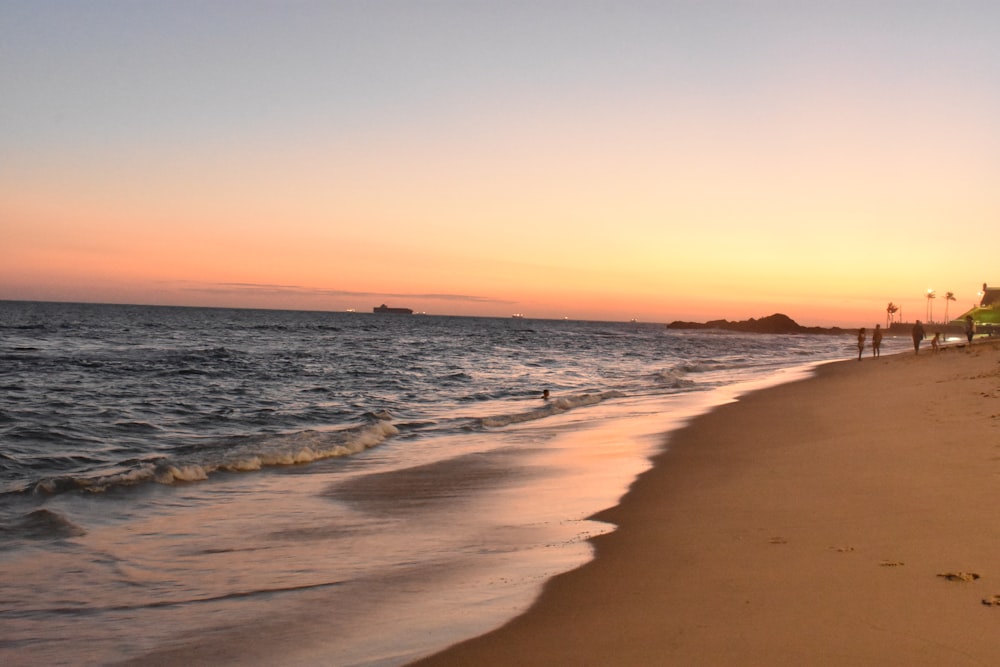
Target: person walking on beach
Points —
{"points": [[877, 341], [970, 328], [861, 342], [918, 335]]}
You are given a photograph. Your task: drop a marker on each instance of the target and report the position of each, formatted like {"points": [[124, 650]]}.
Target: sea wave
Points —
{"points": [[674, 378], [552, 407], [41, 524], [246, 454]]}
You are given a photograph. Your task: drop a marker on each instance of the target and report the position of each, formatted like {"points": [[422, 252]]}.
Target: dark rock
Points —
{"points": [[772, 324]]}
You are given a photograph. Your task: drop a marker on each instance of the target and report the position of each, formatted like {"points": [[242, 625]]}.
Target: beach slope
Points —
{"points": [[849, 518]]}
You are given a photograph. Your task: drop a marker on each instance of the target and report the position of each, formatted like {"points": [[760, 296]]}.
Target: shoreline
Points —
{"points": [[812, 522]]}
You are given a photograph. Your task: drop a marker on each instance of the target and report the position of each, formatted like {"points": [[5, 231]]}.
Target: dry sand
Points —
{"points": [[805, 524]]}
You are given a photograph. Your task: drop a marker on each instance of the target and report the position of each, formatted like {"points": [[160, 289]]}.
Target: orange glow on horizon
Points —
{"points": [[675, 179]]}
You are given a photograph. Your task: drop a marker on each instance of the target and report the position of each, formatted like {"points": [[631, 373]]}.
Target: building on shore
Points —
{"points": [[991, 297], [985, 316]]}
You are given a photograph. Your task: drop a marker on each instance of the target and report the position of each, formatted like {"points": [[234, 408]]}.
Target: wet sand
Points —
{"points": [[849, 518]]}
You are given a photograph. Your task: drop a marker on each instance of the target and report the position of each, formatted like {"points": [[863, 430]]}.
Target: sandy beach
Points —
{"points": [[846, 519]]}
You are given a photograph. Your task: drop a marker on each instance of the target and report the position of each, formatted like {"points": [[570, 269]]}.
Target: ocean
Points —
{"points": [[252, 487]]}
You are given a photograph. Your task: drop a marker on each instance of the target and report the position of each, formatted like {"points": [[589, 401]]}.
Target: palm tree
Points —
{"points": [[890, 310], [930, 305], [949, 296]]}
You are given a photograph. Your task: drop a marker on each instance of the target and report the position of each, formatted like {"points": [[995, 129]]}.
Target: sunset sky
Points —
{"points": [[594, 160]]}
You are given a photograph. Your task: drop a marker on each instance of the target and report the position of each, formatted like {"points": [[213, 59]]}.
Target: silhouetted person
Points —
{"points": [[545, 395], [918, 335], [861, 342], [877, 341], [936, 341], [970, 327]]}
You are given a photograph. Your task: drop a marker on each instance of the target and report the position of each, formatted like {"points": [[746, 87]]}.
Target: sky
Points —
{"points": [[671, 160]]}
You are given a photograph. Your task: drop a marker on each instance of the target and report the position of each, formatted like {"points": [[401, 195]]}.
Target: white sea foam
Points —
{"points": [[302, 447], [279, 450], [673, 377], [169, 474]]}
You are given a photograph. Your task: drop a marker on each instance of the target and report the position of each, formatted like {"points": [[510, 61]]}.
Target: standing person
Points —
{"points": [[970, 327], [877, 341], [861, 342], [918, 335]]}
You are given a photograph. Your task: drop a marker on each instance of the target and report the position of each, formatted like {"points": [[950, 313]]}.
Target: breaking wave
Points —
{"points": [[552, 407], [246, 454]]}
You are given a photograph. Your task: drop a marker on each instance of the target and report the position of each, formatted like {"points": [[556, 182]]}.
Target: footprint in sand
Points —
{"points": [[959, 576], [891, 563], [842, 550], [778, 540], [992, 601]]}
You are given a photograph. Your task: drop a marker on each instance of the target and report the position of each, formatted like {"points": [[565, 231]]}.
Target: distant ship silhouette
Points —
{"points": [[386, 309]]}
